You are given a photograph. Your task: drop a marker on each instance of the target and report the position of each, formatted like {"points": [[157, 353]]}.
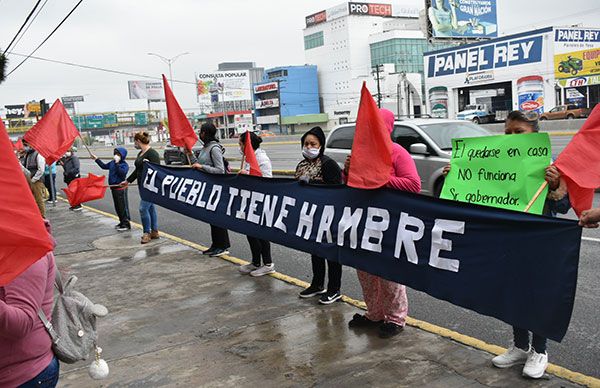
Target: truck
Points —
{"points": [[569, 112], [477, 113]]}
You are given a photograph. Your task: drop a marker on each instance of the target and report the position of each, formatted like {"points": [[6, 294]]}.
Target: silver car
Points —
{"points": [[429, 142]]}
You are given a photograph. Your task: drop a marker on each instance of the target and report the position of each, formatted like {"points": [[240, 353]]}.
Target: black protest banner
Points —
{"points": [[517, 267]]}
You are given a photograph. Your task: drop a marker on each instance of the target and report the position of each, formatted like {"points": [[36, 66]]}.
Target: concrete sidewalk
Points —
{"points": [[178, 318]]}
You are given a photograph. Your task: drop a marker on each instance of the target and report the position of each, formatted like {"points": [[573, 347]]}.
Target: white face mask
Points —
{"points": [[117, 158], [68, 154], [311, 153]]}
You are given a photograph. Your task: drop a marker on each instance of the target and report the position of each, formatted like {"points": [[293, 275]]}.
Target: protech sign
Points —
{"points": [[486, 57]]}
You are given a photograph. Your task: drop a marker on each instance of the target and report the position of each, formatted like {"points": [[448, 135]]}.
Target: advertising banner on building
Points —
{"points": [[462, 253], [268, 103], [146, 90], [316, 18], [31, 109], [263, 88], [501, 54], [271, 119], [68, 99], [576, 53], [461, 18], [224, 86]]}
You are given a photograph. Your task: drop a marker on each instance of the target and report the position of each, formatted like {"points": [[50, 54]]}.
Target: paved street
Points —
{"points": [[579, 351]]}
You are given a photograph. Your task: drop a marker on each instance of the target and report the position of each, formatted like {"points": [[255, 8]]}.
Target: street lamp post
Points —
{"points": [[169, 62]]}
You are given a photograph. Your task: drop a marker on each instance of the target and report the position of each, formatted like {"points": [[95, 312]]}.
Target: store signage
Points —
{"points": [[574, 94], [577, 63], [479, 77], [316, 18], [271, 119], [341, 113], [68, 99], [486, 57], [268, 103], [371, 9], [576, 35], [15, 111], [263, 88]]}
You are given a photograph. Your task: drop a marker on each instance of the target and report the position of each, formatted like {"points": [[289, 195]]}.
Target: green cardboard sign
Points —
{"points": [[501, 171]]}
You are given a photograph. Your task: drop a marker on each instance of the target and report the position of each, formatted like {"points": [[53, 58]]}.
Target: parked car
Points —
{"points": [[478, 113], [176, 155], [429, 142], [568, 112]]}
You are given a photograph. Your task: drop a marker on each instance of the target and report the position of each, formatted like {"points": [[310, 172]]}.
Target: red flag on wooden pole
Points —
{"points": [[54, 134], [181, 131], [250, 157], [371, 161], [86, 189], [24, 236], [579, 163]]}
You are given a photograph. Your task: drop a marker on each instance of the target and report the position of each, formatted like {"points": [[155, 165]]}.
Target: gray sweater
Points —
{"points": [[211, 158]]}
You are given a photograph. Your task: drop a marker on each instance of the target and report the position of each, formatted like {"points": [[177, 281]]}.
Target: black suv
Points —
{"points": [[176, 155]]}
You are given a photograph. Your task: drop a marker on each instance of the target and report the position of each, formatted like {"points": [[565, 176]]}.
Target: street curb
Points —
{"points": [[556, 370]]}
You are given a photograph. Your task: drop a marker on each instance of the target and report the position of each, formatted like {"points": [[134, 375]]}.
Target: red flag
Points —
{"points": [[371, 161], [182, 133], [18, 144], [250, 156], [54, 134], [24, 236], [579, 163], [87, 189]]}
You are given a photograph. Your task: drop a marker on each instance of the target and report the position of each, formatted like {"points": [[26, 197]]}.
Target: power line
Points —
{"points": [[48, 37], [30, 24], [22, 25]]}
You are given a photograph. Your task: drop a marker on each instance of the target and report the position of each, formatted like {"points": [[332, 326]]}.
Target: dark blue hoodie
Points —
{"points": [[117, 172]]}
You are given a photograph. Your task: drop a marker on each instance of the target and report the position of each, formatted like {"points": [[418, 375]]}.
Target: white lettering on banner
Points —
{"points": [[374, 229], [150, 184], [407, 238], [325, 224], [504, 53], [577, 35], [259, 208], [349, 221], [438, 243], [283, 212]]}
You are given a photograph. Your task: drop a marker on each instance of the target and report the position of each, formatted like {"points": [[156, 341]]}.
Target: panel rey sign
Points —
{"points": [[462, 253]]}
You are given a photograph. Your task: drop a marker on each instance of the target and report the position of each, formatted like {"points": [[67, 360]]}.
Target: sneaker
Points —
{"points": [[209, 251], [146, 238], [264, 270], [246, 269], [312, 291], [330, 297], [389, 329], [122, 228], [359, 320], [536, 365], [154, 234], [117, 226], [77, 208], [513, 356], [218, 252]]}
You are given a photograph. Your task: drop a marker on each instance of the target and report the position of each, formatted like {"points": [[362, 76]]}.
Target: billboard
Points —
{"points": [[370, 9], [223, 86], [316, 18], [576, 52], [146, 90], [71, 99], [461, 18], [31, 109]]}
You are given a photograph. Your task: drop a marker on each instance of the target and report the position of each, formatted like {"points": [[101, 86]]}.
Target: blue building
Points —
{"points": [[287, 100]]}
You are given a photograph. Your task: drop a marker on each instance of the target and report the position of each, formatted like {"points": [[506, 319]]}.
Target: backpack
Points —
{"points": [[73, 326], [225, 161]]}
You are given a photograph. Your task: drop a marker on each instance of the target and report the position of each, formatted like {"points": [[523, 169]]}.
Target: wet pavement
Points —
{"points": [[177, 318]]}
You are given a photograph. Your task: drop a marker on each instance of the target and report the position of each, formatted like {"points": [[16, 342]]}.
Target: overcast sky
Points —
{"points": [[118, 34]]}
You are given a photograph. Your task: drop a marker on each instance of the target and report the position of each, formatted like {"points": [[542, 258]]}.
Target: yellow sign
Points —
{"points": [[34, 107], [577, 63]]}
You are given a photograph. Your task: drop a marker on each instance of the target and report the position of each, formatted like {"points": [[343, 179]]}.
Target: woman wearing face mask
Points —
{"points": [[210, 159], [70, 164], [258, 247], [147, 209], [117, 173], [320, 169]]}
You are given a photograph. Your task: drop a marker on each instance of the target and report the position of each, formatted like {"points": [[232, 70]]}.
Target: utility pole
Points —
{"points": [[279, 108], [378, 87]]}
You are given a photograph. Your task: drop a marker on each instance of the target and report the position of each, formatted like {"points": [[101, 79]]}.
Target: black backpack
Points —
{"points": [[225, 161]]}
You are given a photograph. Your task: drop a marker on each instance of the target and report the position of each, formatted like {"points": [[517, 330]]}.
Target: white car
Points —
{"points": [[429, 142]]}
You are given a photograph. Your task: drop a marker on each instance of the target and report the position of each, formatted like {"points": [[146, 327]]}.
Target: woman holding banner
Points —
{"points": [[387, 304], [258, 247], [147, 209], [320, 169], [210, 159], [523, 351]]}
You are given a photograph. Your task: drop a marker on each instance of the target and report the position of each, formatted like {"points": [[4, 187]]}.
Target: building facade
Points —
{"points": [[338, 41], [531, 71], [287, 99]]}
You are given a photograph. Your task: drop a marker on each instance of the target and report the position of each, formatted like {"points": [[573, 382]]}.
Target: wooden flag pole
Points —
{"points": [[535, 196], [86, 147]]}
